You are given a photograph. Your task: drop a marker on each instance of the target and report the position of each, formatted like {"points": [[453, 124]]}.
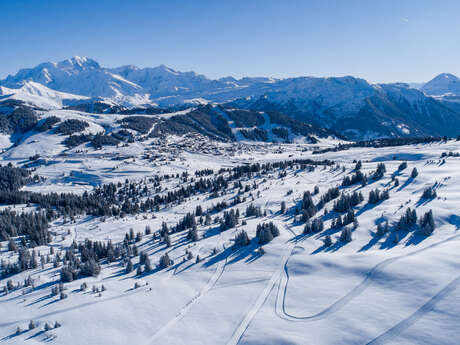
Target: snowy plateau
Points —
{"points": [[150, 206]]}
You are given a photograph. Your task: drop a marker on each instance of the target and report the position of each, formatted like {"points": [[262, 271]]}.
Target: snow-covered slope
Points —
{"points": [[373, 289], [36, 95]]}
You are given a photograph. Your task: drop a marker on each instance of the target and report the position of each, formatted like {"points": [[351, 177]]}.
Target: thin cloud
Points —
{"points": [[405, 20]]}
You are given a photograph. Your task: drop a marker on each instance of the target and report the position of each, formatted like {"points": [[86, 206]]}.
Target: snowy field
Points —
{"points": [[374, 289]]}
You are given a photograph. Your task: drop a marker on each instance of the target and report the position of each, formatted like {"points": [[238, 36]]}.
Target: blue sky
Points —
{"points": [[382, 41]]}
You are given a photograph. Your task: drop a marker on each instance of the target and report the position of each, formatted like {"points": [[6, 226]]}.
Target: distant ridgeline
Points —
{"points": [[384, 142]]}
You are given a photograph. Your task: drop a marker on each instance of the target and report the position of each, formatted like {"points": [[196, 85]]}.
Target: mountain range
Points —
{"points": [[350, 106]]}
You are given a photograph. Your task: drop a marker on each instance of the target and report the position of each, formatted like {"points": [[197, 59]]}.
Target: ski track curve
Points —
{"points": [[417, 315], [246, 321], [354, 292]]}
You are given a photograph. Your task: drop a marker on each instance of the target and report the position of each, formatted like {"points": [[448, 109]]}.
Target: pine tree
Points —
{"points": [[31, 325], [283, 207], [167, 240], [129, 266], [165, 261], [139, 270], [242, 239], [345, 236], [427, 223], [193, 234], [380, 229], [148, 265]]}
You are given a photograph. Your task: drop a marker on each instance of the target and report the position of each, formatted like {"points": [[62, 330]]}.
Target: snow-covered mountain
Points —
{"points": [[349, 105], [359, 110], [443, 84], [133, 86], [80, 76]]}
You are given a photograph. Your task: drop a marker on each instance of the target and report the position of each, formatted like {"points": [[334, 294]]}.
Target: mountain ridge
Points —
{"points": [[349, 105]]}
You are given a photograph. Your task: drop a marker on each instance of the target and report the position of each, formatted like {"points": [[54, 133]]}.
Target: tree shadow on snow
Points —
{"points": [[372, 242], [415, 238], [422, 202], [390, 239], [36, 334], [14, 335], [455, 220], [39, 300], [330, 249], [408, 182]]}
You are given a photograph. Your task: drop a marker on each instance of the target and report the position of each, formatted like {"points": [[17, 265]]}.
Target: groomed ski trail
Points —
{"points": [[280, 306]]}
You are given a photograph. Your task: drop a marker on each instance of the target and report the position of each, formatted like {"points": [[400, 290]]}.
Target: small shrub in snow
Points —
{"points": [[192, 234], [414, 173], [148, 265], [376, 196], [327, 241], [347, 201], [266, 232], [429, 193], [382, 228], [165, 261], [139, 270], [167, 240], [407, 220], [345, 236], [315, 226], [129, 266], [252, 210], [32, 324], [283, 207], [402, 166], [378, 174], [358, 176], [427, 223], [242, 239]]}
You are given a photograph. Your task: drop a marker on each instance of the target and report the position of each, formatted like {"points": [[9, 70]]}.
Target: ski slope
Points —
{"points": [[367, 291]]}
